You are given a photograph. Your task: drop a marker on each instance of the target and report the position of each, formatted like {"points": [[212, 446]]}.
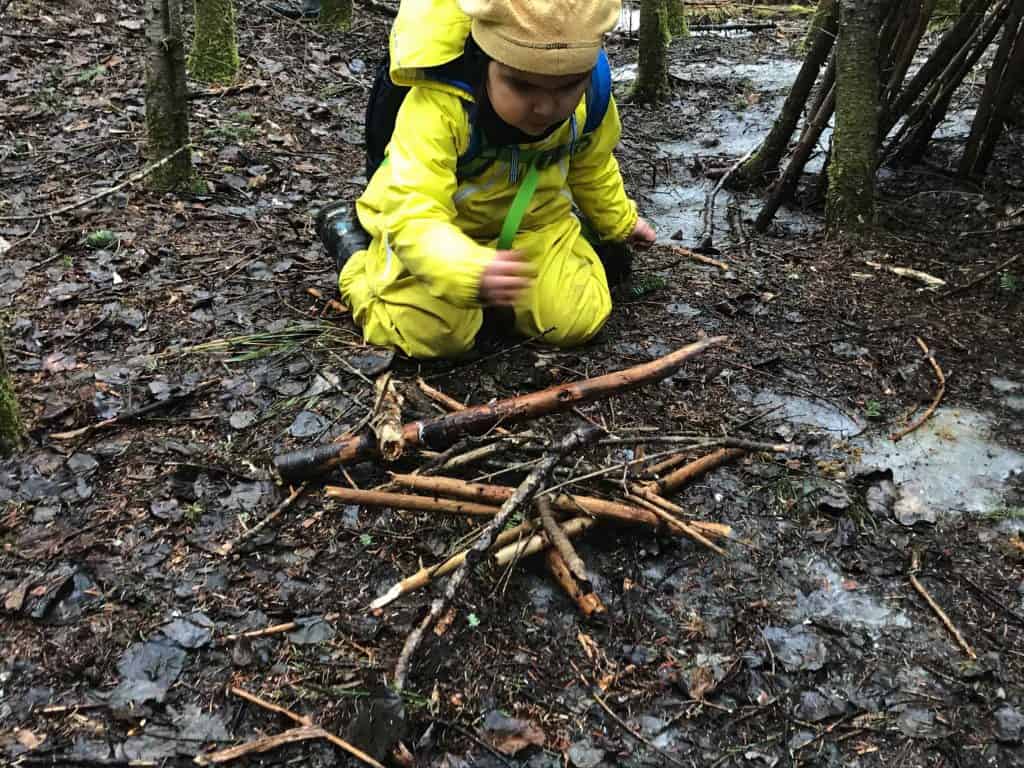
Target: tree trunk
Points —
{"points": [[336, 15], [652, 69], [676, 18], [166, 95], [214, 55], [851, 191], [995, 99], [765, 161], [10, 417]]}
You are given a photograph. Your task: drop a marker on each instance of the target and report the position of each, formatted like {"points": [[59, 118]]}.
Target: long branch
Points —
{"points": [[442, 432]]}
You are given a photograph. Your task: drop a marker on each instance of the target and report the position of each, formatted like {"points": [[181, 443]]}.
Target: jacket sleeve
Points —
{"points": [[596, 182], [419, 209]]}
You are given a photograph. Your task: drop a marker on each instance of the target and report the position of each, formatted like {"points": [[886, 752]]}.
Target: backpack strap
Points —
{"points": [[599, 94]]}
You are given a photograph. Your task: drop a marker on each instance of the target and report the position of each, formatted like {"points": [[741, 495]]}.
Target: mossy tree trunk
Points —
{"points": [[10, 417], [675, 18], [336, 15], [214, 55], [166, 95], [652, 70], [851, 192], [766, 159]]}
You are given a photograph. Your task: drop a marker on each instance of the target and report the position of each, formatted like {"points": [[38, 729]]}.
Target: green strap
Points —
{"points": [[517, 210]]}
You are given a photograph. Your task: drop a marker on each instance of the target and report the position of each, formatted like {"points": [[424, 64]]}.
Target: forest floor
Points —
{"points": [[804, 645]]}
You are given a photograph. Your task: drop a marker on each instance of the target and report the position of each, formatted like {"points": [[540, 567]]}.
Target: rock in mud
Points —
{"points": [[1009, 725]]}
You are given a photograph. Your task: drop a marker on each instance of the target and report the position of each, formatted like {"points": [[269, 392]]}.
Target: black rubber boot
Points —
{"points": [[341, 233], [617, 260]]}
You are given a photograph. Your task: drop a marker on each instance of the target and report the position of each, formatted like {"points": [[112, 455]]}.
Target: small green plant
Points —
{"points": [[365, 539], [1008, 282], [873, 409], [645, 284], [193, 512], [100, 238], [88, 75], [473, 620]]}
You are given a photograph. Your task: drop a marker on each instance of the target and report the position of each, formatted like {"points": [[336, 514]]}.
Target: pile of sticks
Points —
{"points": [[550, 517]]}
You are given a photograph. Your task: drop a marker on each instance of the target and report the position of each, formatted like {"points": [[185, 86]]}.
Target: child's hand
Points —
{"points": [[643, 234], [505, 278]]}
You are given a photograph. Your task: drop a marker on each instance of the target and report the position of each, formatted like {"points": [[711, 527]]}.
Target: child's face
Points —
{"points": [[533, 103]]}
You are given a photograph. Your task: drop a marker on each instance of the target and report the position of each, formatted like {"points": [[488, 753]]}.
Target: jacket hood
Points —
{"points": [[426, 33]]}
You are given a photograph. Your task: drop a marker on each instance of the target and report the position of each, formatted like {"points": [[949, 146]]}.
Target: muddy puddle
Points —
{"points": [[954, 464]]}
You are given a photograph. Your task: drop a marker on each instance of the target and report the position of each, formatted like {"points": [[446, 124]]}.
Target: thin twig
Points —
{"points": [[562, 544], [897, 436], [105, 193], [622, 724], [226, 548], [982, 277], [303, 720], [699, 257], [707, 238], [919, 588]]}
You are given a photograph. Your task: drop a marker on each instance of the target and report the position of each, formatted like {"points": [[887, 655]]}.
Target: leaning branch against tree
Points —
{"points": [[765, 160], [579, 438], [1004, 75], [442, 432]]}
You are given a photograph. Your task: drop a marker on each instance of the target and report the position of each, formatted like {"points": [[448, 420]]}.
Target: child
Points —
{"points": [[473, 206]]}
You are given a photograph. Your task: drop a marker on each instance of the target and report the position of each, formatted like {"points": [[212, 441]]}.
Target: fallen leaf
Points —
{"points": [[702, 682], [589, 646]]}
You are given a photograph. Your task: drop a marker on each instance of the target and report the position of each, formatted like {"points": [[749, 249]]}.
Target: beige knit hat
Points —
{"points": [[547, 37]]}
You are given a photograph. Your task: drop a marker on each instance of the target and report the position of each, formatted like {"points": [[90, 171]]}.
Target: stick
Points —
{"points": [[683, 527], [567, 553], [897, 436], [307, 730], [446, 402], [676, 480], [646, 499], [919, 588], [273, 629], [334, 304], [983, 277], [931, 282], [252, 698], [226, 548], [257, 746], [524, 493], [539, 541], [687, 253], [407, 501], [99, 196], [440, 433], [498, 494], [134, 413], [426, 575], [386, 421], [586, 600], [707, 238]]}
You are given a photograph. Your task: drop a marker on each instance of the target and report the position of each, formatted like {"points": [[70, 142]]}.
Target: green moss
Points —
{"points": [[214, 55], [676, 18], [11, 430], [777, 11], [336, 15]]}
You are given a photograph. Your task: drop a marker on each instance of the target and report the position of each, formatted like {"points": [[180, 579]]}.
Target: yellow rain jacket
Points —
{"points": [[416, 286]]}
